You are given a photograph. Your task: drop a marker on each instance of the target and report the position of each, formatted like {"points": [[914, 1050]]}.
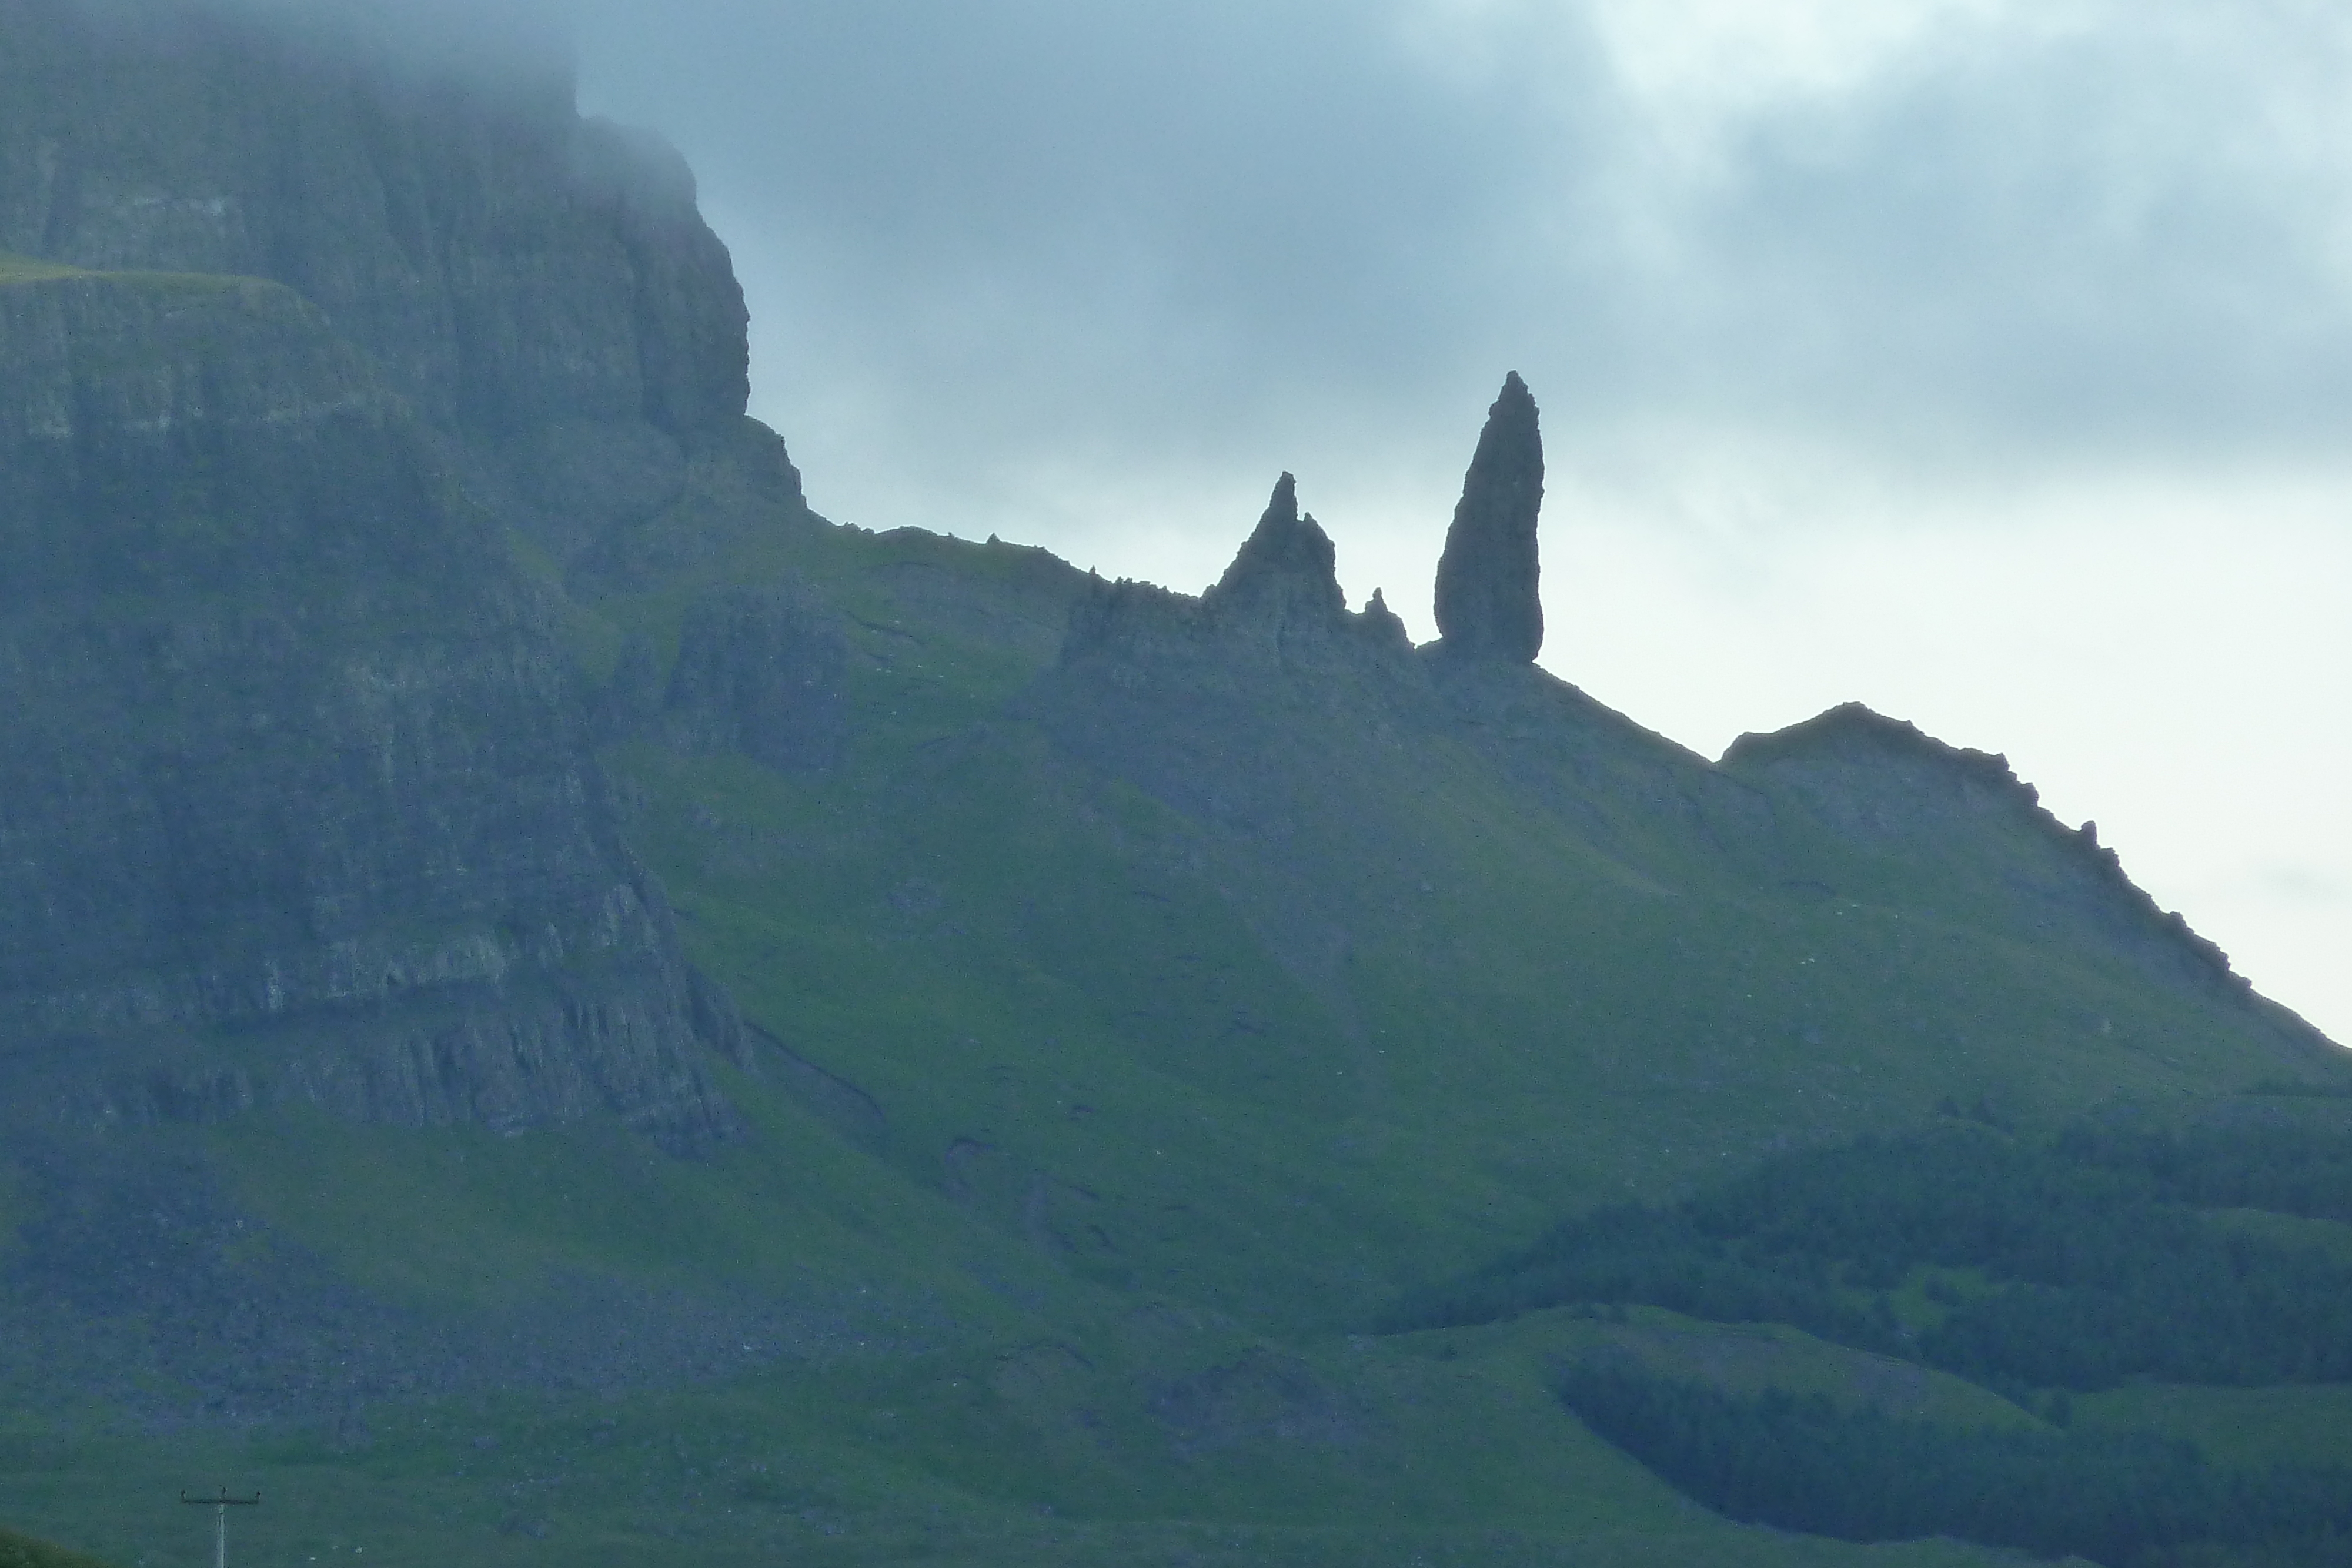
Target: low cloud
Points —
{"points": [[1055, 233]]}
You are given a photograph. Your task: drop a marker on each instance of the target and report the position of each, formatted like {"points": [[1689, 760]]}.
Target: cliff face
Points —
{"points": [[539, 286], [295, 797]]}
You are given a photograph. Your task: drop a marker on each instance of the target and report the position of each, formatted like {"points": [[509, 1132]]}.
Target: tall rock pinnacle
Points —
{"points": [[1487, 602]]}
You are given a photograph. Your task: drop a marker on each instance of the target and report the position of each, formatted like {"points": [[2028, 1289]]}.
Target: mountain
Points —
{"points": [[557, 1002]]}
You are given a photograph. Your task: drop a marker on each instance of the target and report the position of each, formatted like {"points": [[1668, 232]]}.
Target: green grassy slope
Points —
{"points": [[18, 1551], [1381, 1006], [864, 1465], [2065, 1288], [1129, 1045]]}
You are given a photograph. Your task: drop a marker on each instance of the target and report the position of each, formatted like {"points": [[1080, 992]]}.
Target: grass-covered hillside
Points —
{"points": [[557, 1007], [1141, 1019], [2125, 1341], [20, 1551], [1286, 984]]}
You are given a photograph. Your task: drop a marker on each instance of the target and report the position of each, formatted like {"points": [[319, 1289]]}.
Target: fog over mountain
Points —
{"points": [[1988, 362]]}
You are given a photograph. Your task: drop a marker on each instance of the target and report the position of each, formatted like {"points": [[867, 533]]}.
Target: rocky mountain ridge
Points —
{"points": [[447, 774]]}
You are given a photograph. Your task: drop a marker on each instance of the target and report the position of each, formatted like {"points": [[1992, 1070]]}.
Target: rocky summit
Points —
{"points": [[538, 286], [1286, 553], [1487, 602]]}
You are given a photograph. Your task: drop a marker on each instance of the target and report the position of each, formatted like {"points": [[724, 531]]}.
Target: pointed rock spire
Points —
{"points": [[1385, 626], [1487, 602], [1284, 548]]}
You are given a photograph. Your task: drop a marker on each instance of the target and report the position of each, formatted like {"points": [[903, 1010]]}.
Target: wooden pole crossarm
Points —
{"points": [[220, 1506]]}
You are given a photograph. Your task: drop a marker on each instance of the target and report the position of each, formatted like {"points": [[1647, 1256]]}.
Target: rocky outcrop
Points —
{"points": [[295, 794], [760, 674], [1385, 627], [1281, 592], [1487, 603], [536, 285], [1286, 570], [1278, 605]]}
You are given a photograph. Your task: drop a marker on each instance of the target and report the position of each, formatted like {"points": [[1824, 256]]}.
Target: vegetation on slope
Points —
{"points": [[1282, 991], [2123, 1500], [2071, 1263], [20, 1551], [1060, 1055], [2071, 1274]]}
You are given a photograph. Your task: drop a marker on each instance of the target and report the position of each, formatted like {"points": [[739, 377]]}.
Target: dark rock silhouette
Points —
{"points": [[1385, 626], [1487, 606], [1884, 782], [1278, 606], [1287, 566]]}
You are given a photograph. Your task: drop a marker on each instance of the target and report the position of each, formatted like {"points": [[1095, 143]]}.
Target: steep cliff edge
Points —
{"points": [[295, 803], [539, 286]]}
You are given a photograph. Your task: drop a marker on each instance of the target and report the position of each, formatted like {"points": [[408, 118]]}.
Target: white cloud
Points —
{"points": [[1988, 361]]}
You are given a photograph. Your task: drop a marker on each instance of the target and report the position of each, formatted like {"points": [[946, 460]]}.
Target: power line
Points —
{"points": [[220, 1505]]}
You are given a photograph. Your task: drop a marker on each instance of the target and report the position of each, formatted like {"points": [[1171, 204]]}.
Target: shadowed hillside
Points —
{"points": [[556, 1003]]}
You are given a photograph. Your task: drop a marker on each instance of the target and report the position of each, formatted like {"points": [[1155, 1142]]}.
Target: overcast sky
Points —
{"points": [[1988, 362]]}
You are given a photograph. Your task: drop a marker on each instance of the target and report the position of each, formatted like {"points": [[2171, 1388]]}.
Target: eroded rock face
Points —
{"points": [[1385, 627], [296, 800], [1285, 572], [759, 672], [538, 285], [1487, 603], [1278, 604]]}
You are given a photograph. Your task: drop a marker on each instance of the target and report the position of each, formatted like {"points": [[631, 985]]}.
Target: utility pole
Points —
{"points": [[220, 1505]]}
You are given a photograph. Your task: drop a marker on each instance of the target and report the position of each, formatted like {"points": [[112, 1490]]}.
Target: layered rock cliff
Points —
{"points": [[295, 796], [539, 286]]}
